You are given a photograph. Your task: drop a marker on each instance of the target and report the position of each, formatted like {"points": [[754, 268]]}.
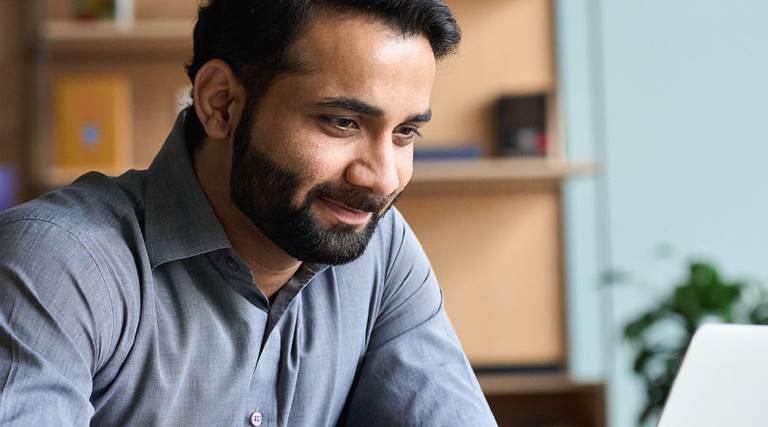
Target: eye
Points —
{"points": [[341, 123], [409, 132], [405, 135]]}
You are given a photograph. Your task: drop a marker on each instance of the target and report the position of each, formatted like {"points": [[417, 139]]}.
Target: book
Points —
{"points": [[120, 11], [461, 152], [8, 187], [94, 9], [92, 116]]}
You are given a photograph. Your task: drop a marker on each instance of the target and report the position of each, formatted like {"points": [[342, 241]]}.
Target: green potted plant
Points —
{"points": [[660, 335]]}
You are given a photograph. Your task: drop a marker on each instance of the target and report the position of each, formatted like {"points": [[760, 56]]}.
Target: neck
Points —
{"points": [[271, 266]]}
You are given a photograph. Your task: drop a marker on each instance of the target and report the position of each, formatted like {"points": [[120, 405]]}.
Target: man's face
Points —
{"points": [[326, 151]]}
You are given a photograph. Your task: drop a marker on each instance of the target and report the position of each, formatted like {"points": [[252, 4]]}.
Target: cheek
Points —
{"points": [[318, 162], [295, 150]]}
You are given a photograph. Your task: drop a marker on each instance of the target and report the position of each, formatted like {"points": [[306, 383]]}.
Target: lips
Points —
{"points": [[346, 214]]}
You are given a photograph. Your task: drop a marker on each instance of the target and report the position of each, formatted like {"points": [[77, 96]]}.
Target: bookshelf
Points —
{"points": [[482, 175], [544, 400], [431, 176], [492, 227], [65, 39]]}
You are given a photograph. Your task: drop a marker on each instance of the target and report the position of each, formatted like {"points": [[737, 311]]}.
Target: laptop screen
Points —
{"points": [[723, 380]]}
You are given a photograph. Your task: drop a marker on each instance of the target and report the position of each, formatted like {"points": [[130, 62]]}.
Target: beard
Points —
{"points": [[265, 190]]}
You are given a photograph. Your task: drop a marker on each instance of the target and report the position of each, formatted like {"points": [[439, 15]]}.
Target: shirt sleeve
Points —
{"points": [[414, 371], [55, 325]]}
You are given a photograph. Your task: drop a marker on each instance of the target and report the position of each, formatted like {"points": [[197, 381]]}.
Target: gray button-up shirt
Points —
{"points": [[123, 303]]}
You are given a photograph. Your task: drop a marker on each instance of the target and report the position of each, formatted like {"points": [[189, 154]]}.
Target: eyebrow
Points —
{"points": [[423, 117], [352, 104], [358, 106]]}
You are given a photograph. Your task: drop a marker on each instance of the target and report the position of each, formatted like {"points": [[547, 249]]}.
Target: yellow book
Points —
{"points": [[92, 117]]}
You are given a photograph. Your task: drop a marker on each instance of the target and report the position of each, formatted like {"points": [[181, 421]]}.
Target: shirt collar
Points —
{"points": [[179, 222]]}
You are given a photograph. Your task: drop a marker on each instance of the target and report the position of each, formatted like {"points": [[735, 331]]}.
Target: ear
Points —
{"points": [[219, 99]]}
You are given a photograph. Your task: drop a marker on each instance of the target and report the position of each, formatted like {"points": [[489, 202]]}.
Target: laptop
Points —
{"points": [[723, 380]]}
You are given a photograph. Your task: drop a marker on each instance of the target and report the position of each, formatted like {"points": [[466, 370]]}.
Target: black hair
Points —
{"points": [[253, 36]]}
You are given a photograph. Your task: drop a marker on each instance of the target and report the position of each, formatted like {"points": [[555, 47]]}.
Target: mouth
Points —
{"points": [[346, 214]]}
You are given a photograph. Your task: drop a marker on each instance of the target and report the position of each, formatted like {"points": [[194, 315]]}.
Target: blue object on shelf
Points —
{"points": [[9, 195], [464, 152], [90, 135]]}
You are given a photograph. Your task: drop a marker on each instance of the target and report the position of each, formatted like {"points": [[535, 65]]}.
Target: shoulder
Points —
{"points": [[85, 237], [76, 245], [95, 211], [92, 202], [96, 214], [40, 253]]}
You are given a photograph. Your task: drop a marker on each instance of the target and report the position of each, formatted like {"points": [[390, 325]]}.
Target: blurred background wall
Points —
{"points": [[670, 98]]}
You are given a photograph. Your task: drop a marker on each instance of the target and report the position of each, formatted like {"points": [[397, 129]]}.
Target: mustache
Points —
{"points": [[351, 197]]}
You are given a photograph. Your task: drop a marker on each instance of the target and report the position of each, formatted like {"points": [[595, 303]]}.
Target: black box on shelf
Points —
{"points": [[521, 123]]}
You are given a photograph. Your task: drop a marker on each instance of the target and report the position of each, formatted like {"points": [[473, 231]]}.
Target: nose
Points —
{"points": [[375, 167]]}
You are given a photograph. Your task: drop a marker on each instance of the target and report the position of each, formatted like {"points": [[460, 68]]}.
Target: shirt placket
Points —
{"points": [[262, 396]]}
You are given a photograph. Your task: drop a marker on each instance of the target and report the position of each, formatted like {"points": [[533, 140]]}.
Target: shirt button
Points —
{"points": [[256, 418], [231, 263]]}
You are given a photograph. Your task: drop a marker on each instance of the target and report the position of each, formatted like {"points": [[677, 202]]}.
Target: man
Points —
{"points": [[255, 274]]}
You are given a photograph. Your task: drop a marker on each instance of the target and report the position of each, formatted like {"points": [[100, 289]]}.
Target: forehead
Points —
{"points": [[356, 53]]}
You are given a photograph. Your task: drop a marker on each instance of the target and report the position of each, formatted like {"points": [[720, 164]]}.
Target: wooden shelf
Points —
{"points": [[492, 174], [428, 176], [541, 399], [65, 39], [494, 384]]}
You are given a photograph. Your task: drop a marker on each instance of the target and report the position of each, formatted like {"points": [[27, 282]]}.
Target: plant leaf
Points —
{"points": [[687, 303], [759, 314], [637, 328], [644, 356], [703, 274]]}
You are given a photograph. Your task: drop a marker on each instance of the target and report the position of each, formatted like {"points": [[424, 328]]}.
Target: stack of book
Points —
{"points": [[121, 11], [453, 152], [8, 187]]}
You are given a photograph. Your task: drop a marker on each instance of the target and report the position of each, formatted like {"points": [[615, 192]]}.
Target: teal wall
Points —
{"points": [[671, 98]]}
